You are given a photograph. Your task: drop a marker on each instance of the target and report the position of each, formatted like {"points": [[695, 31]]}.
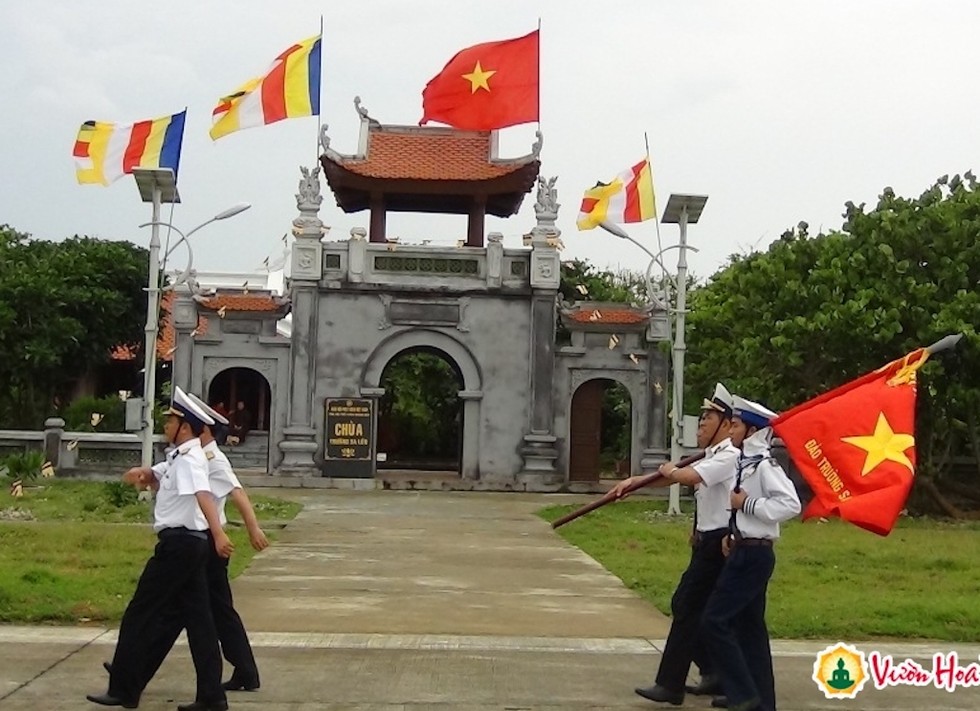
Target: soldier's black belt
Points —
{"points": [[174, 532], [709, 536], [766, 542]]}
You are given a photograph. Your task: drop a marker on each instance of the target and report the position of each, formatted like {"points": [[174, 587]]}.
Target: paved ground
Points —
{"points": [[385, 601]]}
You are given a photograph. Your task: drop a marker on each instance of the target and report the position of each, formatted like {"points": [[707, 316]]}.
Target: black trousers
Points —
{"points": [[227, 622], [173, 582], [734, 627], [684, 642]]}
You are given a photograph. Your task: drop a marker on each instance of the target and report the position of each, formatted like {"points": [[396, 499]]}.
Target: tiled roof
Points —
{"points": [[417, 153], [166, 336], [242, 302], [616, 317]]}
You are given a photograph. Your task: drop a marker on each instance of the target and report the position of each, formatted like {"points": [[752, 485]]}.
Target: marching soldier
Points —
{"points": [[231, 631], [712, 479], [174, 577], [734, 624]]}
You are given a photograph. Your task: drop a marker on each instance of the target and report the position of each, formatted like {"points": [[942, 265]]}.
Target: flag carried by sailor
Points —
{"points": [[290, 88], [105, 152], [855, 445], [627, 198]]}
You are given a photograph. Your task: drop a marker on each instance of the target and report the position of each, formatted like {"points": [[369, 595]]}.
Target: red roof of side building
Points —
{"points": [[167, 337], [616, 317]]}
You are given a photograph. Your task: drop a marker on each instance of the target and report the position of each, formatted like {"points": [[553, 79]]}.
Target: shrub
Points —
{"points": [[25, 466], [78, 414]]}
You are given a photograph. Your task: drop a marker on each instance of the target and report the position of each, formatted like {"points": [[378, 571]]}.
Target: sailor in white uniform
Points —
{"points": [[711, 478], [734, 623], [174, 577], [231, 631]]}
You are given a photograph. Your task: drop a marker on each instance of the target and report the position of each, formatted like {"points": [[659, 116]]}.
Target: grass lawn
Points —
{"points": [[832, 580], [77, 556]]}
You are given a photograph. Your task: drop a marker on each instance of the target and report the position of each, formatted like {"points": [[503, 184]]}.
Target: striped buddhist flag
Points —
{"points": [[289, 89], [104, 152], [628, 198]]}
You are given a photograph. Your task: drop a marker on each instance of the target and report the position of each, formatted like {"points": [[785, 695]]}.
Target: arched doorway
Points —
{"points": [[600, 431], [420, 415], [246, 395]]}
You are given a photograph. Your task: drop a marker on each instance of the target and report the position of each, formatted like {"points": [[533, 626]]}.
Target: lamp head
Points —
{"points": [[232, 211], [613, 229]]}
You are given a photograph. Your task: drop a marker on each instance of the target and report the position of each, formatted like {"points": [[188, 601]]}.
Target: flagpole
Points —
{"points": [[319, 89], [944, 343], [539, 73]]}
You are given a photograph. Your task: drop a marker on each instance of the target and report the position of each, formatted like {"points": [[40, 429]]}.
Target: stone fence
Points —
{"points": [[80, 453]]}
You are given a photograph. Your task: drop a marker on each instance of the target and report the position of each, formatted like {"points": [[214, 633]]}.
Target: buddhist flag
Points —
{"points": [[486, 86], [289, 89], [855, 445], [628, 198], [104, 152]]}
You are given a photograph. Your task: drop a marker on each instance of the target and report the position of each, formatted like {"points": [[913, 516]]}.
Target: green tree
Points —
{"points": [[813, 312], [63, 306]]}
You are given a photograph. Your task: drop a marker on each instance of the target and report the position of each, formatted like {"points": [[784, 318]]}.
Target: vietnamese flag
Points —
{"points": [[486, 86], [855, 445]]}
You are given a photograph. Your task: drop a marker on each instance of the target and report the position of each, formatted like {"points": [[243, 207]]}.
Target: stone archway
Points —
{"points": [[463, 362], [240, 389], [420, 415], [587, 436]]}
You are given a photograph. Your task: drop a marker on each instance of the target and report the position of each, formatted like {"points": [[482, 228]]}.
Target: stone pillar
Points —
{"points": [[184, 315], [495, 259], [356, 255], [378, 226], [54, 430], [656, 451], [477, 219], [299, 445], [539, 448]]}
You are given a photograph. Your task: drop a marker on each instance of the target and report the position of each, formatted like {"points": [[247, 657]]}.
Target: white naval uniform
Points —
{"points": [[772, 498], [221, 477], [181, 475], [717, 471]]}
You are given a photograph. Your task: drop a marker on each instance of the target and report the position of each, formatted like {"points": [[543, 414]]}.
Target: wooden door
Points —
{"points": [[585, 432]]}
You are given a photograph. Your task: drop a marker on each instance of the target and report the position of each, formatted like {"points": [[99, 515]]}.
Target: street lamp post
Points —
{"points": [[682, 210], [158, 186]]}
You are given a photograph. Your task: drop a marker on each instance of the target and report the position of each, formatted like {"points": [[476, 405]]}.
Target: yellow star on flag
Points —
{"points": [[884, 444], [478, 78]]}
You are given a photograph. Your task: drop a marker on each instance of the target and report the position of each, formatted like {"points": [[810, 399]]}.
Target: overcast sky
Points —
{"points": [[778, 110]]}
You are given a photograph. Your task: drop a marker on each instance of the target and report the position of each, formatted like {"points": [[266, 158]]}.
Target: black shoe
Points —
{"points": [[237, 684], [719, 702], [710, 685], [106, 700], [659, 693], [202, 706], [108, 667]]}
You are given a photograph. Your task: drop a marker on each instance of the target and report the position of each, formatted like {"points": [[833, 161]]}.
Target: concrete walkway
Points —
{"points": [[384, 601]]}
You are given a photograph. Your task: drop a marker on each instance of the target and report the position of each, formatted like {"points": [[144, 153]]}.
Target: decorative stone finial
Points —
{"points": [[308, 200], [537, 145], [358, 233], [363, 112], [546, 210], [324, 138]]}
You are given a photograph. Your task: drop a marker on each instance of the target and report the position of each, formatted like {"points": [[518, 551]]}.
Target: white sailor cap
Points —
{"points": [[208, 410], [721, 401], [752, 413], [185, 408]]}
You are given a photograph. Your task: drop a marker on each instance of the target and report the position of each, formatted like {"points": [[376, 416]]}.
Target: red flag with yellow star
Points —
{"points": [[486, 86], [855, 445]]}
